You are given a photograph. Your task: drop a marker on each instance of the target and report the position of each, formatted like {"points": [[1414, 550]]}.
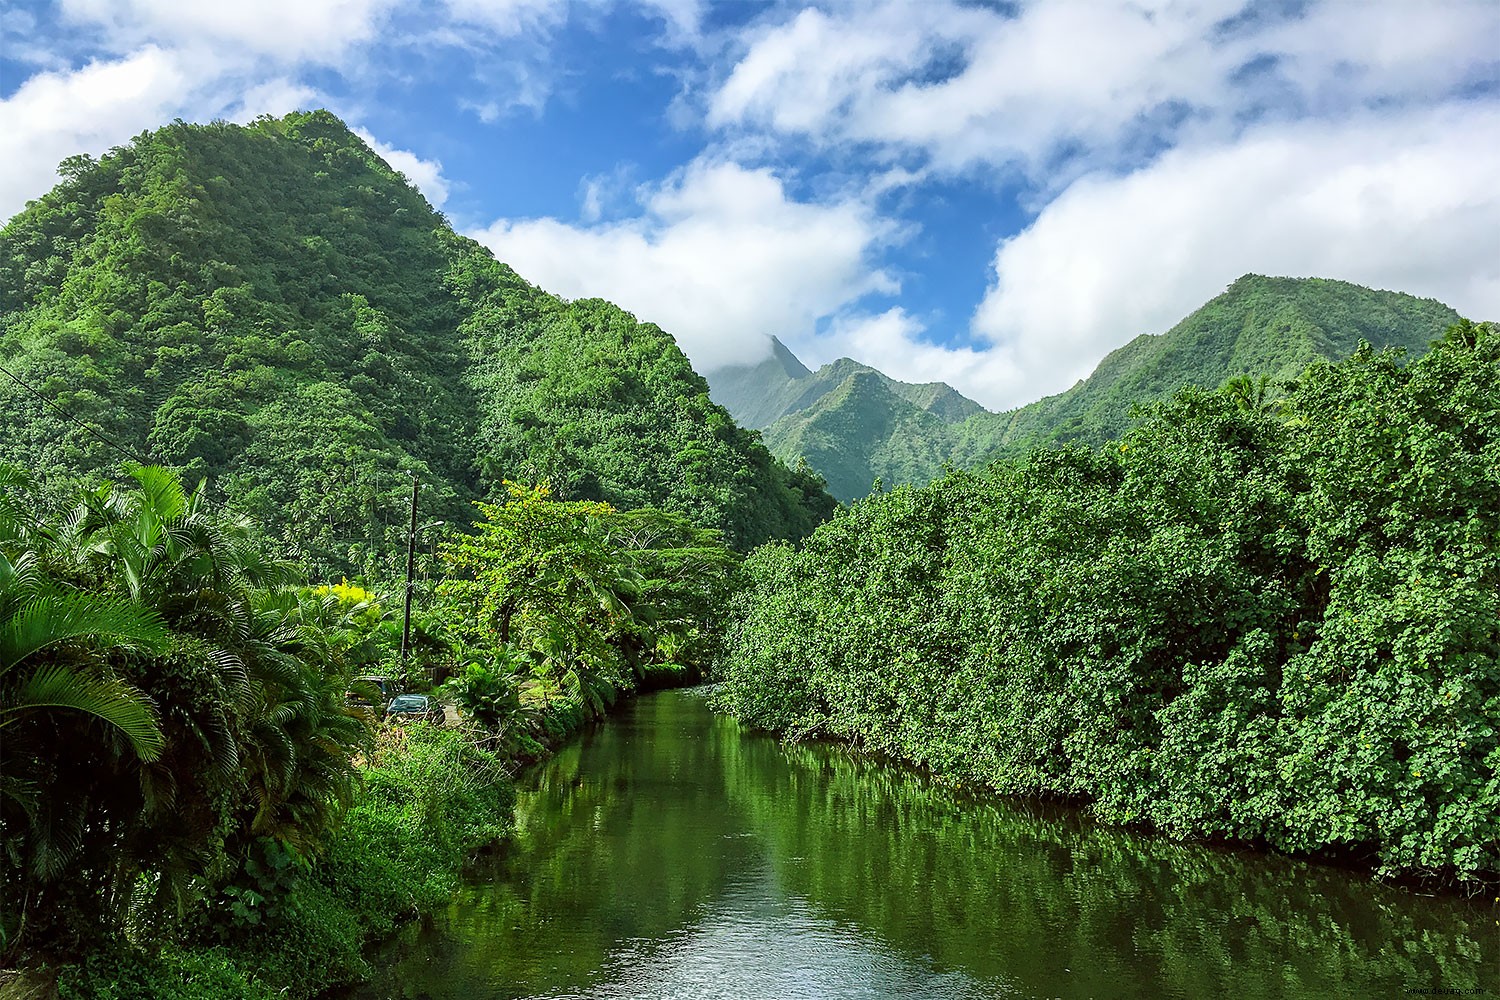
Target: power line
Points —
{"points": [[98, 435], [56, 407]]}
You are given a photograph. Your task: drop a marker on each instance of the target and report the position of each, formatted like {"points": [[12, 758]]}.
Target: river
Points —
{"points": [[668, 853]]}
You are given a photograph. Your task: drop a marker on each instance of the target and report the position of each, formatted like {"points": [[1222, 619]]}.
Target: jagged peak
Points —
{"points": [[788, 361]]}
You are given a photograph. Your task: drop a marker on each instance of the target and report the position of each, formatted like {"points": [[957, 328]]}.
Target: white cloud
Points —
{"points": [[58, 114], [107, 102], [164, 59], [1406, 202], [427, 175], [508, 18], [1166, 147], [278, 96], [892, 341], [320, 31], [721, 258], [1102, 81], [684, 18]]}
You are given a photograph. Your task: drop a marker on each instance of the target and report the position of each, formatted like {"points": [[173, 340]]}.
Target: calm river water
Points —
{"points": [[668, 853]]}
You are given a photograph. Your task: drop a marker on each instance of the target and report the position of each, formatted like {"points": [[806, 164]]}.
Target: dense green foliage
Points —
{"points": [[289, 927], [854, 425], [1274, 621], [169, 700], [181, 797], [562, 606], [192, 806], [847, 421], [272, 306]]}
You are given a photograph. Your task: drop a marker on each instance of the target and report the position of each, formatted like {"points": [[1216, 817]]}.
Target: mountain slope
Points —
{"points": [[851, 430], [1258, 326], [862, 430], [851, 423], [274, 307], [758, 394]]}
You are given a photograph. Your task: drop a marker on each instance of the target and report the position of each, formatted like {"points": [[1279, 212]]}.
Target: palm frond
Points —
{"points": [[162, 491], [60, 617], [114, 702]]}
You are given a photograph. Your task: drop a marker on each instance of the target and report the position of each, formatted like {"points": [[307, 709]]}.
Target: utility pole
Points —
{"points": [[411, 555]]}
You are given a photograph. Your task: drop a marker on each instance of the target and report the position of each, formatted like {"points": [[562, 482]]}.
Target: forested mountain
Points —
{"points": [[274, 307], [853, 424], [1259, 326]]}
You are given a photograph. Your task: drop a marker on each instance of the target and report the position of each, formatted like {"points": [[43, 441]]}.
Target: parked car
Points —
{"points": [[413, 707], [371, 694]]}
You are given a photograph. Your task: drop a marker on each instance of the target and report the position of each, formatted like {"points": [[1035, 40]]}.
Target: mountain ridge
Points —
{"points": [[1259, 326]]}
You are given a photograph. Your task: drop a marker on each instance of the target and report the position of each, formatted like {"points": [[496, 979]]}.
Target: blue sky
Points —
{"points": [[994, 195]]}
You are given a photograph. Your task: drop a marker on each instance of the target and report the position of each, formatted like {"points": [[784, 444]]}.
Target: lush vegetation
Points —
{"points": [[854, 425], [274, 308], [1269, 619], [293, 925], [1260, 326], [847, 421], [1263, 613], [192, 807]]}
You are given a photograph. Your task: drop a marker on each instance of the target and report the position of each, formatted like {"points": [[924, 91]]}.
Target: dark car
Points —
{"points": [[371, 694], [414, 707]]}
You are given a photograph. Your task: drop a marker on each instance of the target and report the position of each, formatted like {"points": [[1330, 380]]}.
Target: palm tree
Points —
{"points": [[35, 618], [300, 736], [58, 687]]}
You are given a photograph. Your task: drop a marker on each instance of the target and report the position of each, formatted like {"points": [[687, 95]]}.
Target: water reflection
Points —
{"points": [[667, 854]]}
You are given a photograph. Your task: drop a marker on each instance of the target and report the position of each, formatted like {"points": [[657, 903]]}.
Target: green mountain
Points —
{"points": [[852, 424], [1258, 326], [274, 307], [848, 421]]}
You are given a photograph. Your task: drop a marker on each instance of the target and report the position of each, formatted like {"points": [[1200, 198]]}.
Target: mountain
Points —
{"points": [[274, 307], [850, 422], [1258, 326], [758, 394], [853, 424]]}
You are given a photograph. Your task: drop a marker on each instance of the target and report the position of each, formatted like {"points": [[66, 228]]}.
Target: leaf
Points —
{"points": [[112, 701], [58, 617]]}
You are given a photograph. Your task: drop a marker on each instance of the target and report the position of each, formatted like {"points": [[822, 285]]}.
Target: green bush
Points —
{"points": [[431, 799], [172, 974], [1252, 620]]}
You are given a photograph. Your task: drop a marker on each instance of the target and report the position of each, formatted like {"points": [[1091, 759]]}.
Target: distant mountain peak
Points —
{"points": [[789, 362], [853, 423]]}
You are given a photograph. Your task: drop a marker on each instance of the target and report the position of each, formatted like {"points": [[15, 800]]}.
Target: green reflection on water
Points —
{"points": [[670, 854]]}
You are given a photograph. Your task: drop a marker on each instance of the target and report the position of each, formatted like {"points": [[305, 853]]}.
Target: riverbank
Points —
{"points": [[431, 801]]}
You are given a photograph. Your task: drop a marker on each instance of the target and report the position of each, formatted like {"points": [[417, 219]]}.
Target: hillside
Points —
{"points": [[274, 307], [1258, 326], [853, 424]]}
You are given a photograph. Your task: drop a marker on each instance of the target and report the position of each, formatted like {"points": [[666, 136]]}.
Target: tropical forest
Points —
{"points": [[375, 623]]}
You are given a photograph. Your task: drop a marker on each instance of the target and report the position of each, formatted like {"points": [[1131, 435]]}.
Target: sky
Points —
{"points": [[994, 195]]}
